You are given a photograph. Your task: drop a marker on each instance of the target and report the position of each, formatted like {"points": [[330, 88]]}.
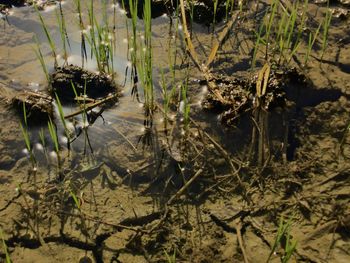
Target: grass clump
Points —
{"points": [[284, 32], [100, 40], [283, 240]]}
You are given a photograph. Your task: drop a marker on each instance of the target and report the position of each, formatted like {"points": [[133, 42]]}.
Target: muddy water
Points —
{"points": [[122, 183], [24, 71]]}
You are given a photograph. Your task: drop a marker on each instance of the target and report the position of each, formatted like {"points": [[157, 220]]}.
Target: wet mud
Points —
{"points": [[92, 85]]}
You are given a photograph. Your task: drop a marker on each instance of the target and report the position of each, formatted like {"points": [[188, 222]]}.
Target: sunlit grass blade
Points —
{"points": [[48, 36], [5, 248], [53, 134], [40, 57]]}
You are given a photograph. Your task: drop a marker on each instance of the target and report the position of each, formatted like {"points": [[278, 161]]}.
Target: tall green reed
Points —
{"points": [[149, 51], [54, 137], [259, 40], [26, 136], [42, 138], [133, 47], [83, 50], [191, 4], [63, 120], [100, 40], [229, 5], [48, 36], [41, 59], [170, 258], [311, 41], [63, 32], [43, 142], [167, 96], [85, 123], [215, 8], [145, 63], [282, 32]]}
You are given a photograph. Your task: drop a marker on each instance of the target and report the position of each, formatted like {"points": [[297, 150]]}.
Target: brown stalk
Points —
{"points": [[92, 105]]}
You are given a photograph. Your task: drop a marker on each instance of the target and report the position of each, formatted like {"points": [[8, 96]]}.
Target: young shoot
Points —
{"points": [[283, 233], [5, 248], [48, 36], [54, 138], [40, 57], [26, 137]]}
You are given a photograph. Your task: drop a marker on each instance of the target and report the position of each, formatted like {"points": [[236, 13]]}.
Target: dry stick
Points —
{"points": [[240, 240], [171, 200], [223, 152], [222, 38], [333, 176], [189, 44], [211, 84], [285, 6], [228, 158], [127, 140], [94, 219], [38, 94], [325, 228], [91, 106], [188, 183]]}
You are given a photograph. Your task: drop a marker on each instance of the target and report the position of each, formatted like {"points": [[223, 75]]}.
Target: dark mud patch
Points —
{"points": [[201, 11], [287, 86], [5, 4], [36, 105], [240, 94], [87, 83], [9, 3]]}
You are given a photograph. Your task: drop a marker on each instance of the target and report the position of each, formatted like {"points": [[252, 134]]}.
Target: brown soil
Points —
{"points": [[214, 192]]}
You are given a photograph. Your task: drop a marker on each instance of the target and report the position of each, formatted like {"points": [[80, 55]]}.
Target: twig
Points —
{"points": [[228, 158], [203, 68], [94, 219], [222, 38], [127, 140], [171, 200], [240, 240], [189, 44], [91, 106], [10, 201], [183, 188], [331, 225]]}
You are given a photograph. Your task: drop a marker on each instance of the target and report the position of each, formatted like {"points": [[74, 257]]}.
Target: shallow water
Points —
{"points": [[24, 71]]}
